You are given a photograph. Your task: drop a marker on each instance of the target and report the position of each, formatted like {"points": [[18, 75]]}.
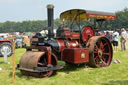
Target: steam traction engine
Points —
{"points": [[74, 44]]}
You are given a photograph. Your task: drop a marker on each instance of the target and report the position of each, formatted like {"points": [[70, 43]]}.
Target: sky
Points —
{"points": [[21, 10]]}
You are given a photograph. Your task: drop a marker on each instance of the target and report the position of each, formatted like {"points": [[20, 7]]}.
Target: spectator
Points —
{"points": [[123, 39], [108, 36], [115, 37]]}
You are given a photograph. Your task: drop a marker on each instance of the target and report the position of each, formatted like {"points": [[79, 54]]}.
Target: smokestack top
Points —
{"points": [[50, 6]]}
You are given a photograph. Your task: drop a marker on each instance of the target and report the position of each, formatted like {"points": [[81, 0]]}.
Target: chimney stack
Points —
{"points": [[50, 10]]}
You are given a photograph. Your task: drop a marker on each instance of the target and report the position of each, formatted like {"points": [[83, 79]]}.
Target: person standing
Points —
{"points": [[115, 38], [123, 39]]}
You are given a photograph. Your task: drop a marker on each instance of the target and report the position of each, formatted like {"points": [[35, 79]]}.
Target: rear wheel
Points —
{"points": [[6, 46], [100, 51]]}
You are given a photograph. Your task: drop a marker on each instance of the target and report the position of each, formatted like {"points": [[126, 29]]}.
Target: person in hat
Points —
{"points": [[123, 39]]}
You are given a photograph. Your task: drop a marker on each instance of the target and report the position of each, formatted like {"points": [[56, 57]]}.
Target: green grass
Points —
{"points": [[115, 74]]}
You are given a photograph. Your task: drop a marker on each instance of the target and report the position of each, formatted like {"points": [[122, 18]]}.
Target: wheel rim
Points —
{"points": [[100, 52], [7, 49]]}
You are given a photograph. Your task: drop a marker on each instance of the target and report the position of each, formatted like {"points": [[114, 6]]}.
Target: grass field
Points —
{"points": [[115, 74]]}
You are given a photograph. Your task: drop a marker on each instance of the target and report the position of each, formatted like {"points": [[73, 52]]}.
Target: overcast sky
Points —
{"points": [[19, 10]]}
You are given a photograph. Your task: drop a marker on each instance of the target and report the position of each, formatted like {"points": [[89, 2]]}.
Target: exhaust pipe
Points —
{"points": [[50, 10]]}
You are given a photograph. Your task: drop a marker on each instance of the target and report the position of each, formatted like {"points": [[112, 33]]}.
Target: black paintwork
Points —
{"points": [[50, 22], [40, 39]]}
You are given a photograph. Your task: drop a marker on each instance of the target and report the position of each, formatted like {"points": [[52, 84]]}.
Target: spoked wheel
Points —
{"points": [[100, 51], [36, 59]]}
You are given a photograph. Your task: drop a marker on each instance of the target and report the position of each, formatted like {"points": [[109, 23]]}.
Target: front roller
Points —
{"points": [[100, 51], [36, 64]]}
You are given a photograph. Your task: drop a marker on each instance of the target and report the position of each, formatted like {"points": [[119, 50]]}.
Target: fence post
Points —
{"points": [[13, 76]]}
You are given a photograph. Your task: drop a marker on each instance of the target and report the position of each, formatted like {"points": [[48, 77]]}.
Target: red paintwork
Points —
{"points": [[61, 45], [75, 35], [69, 48], [72, 44], [67, 44], [71, 35], [5, 40], [49, 53], [74, 55], [67, 33], [87, 33], [100, 16]]}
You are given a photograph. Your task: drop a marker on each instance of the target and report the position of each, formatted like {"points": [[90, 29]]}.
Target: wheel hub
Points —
{"points": [[100, 53]]}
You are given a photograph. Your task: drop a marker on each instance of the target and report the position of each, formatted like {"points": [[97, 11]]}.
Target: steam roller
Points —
{"points": [[74, 43]]}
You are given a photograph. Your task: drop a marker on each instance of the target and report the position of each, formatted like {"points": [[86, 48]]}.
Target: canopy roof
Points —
{"points": [[84, 15]]}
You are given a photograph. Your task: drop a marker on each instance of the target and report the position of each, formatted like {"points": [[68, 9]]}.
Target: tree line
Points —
{"points": [[36, 26], [25, 26], [120, 22]]}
